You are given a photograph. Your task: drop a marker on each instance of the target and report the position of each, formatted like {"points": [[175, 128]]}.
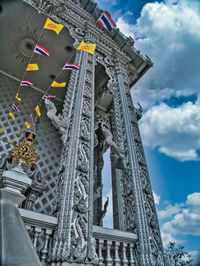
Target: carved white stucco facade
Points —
{"points": [[93, 118]]}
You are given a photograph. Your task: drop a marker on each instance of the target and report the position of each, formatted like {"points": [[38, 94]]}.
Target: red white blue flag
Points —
{"points": [[48, 97], [40, 50], [71, 67], [106, 21], [15, 108], [26, 83]]}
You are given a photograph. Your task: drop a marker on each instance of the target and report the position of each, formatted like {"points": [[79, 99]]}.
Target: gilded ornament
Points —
{"points": [[25, 152]]}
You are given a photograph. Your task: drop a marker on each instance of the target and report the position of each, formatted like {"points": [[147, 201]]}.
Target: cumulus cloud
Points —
{"points": [[195, 256], [169, 211], [169, 34], [175, 131], [125, 27], [168, 237], [185, 220]]}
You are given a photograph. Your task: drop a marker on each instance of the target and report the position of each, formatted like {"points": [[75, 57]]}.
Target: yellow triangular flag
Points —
{"points": [[32, 67], [19, 99], [37, 109], [90, 47], [56, 84], [12, 115], [50, 25], [1, 132], [27, 124], [11, 143]]}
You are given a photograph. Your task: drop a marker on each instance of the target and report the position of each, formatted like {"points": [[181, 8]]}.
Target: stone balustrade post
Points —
{"points": [[109, 259], [16, 245], [117, 259]]}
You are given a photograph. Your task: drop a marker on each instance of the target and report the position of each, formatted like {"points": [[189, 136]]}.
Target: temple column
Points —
{"points": [[139, 207], [73, 241]]}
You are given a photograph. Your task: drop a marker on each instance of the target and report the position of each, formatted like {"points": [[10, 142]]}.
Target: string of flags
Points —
{"points": [[105, 21]]}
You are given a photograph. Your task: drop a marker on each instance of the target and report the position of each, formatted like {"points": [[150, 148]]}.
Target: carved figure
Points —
{"points": [[104, 211], [118, 157], [58, 121], [139, 112], [109, 140], [6, 162]]}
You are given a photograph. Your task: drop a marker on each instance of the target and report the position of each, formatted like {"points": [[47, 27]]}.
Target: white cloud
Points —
{"points": [[169, 34], [169, 211], [185, 220], [124, 27], [195, 255], [168, 237], [175, 131], [156, 198]]}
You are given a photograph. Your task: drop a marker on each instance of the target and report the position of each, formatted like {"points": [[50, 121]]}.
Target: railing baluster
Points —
{"points": [[37, 231], [124, 257], [117, 259], [109, 259], [44, 251], [101, 241], [132, 261]]}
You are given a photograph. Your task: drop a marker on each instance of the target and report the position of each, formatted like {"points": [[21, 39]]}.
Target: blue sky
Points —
{"points": [[169, 33]]}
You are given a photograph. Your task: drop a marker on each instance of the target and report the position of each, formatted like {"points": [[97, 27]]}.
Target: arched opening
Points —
{"points": [[106, 153], [107, 191]]}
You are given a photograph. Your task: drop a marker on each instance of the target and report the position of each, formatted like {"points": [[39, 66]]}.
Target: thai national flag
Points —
{"points": [[40, 50], [26, 83], [15, 108], [71, 67], [106, 21], [45, 97]]}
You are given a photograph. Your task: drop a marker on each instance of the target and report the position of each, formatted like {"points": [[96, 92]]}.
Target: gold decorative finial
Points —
{"points": [[25, 151]]}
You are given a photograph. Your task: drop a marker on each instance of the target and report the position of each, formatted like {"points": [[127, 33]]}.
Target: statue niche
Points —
{"points": [[103, 141]]}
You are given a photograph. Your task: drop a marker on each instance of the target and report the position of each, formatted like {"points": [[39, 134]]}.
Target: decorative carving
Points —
{"points": [[58, 121], [25, 152], [139, 112], [104, 211], [109, 142], [7, 163], [72, 240]]}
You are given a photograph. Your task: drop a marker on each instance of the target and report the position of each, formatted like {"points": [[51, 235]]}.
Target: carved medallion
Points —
{"points": [[25, 152]]}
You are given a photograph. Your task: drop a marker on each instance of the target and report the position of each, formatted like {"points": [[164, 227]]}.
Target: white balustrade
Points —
{"points": [[40, 228], [115, 248]]}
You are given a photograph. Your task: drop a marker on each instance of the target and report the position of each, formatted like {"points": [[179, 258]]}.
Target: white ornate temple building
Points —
{"points": [[51, 179]]}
